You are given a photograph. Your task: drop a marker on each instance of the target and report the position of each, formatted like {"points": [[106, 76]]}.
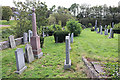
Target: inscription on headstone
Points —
{"points": [[12, 41], [20, 61]]}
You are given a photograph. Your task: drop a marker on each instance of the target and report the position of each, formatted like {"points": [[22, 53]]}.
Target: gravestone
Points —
{"points": [[111, 33], [97, 30], [69, 41], [72, 38], [43, 34], [30, 34], [25, 38], [35, 39], [12, 41], [67, 63], [112, 24], [20, 61], [95, 25], [101, 30], [106, 30], [28, 53]]}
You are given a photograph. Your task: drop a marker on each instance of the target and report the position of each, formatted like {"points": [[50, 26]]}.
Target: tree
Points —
{"points": [[6, 13]]}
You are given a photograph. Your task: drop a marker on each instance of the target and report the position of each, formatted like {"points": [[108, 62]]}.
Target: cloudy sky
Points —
{"points": [[66, 3]]}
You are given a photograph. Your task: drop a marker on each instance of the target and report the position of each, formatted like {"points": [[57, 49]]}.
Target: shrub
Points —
{"points": [[41, 42], [60, 35], [93, 28], [74, 27], [116, 28]]}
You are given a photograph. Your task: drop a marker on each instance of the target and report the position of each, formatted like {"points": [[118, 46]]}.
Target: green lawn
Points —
{"points": [[88, 44], [5, 22]]}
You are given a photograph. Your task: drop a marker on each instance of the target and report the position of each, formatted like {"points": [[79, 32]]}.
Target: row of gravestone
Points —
{"points": [[29, 57], [21, 58], [25, 39], [106, 32]]}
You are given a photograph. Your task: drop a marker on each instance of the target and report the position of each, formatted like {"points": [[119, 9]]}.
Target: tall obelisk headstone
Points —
{"points": [[35, 39], [67, 63]]}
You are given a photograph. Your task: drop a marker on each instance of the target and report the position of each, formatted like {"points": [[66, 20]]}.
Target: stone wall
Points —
{"points": [[5, 44]]}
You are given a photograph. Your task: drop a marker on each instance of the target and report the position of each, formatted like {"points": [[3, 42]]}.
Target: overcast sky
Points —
{"points": [[66, 3]]}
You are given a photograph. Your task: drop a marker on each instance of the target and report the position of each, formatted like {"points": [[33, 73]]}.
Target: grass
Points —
{"points": [[5, 22], [88, 44]]}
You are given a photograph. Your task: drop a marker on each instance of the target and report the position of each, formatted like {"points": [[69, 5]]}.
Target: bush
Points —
{"points": [[74, 27], [93, 28], [116, 28], [60, 35], [41, 42]]}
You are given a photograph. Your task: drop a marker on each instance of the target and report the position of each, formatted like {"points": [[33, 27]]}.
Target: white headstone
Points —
{"points": [[12, 41], [101, 30], [29, 53], [110, 36], [20, 61]]}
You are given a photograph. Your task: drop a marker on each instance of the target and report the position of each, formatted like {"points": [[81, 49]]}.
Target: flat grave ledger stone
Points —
{"points": [[25, 38], [12, 41], [67, 63], [29, 57], [30, 34], [20, 61]]}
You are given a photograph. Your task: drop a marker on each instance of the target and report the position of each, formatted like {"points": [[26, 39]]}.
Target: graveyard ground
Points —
{"points": [[88, 44]]}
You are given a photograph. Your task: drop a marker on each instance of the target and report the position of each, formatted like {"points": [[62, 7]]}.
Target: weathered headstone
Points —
{"points": [[67, 63], [111, 33], [12, 41], [20, 61], [95, 25], [35, 39], [72, 38], [30, 34], [25, 38], [69, 41], [28, 53], [101, 30], [106, 30], [97, 30]]}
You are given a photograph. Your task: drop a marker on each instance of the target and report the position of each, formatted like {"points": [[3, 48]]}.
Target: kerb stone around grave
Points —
{"points": [[12, 41], [67, 63], [29, 57], [20, 61]]}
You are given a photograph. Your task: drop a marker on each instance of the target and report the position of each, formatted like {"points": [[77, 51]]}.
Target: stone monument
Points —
{"points": [[30, 34], [67, 63], [29, 57], [69, 41], [101, 30], [95, 25], [12, 41], [72, 38], [25, 38], [35, 39], [20, 61]]}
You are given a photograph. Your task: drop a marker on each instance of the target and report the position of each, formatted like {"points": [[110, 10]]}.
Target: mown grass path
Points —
{"points": [[88, 44]]}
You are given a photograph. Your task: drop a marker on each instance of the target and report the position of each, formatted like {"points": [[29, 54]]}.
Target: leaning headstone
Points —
{"points": [[25, 38], [28, 53], [101, 30], [72, 38], [20, 61], [30, 34], [67, 63], [111, 32], [12, 41], [69, 41]]}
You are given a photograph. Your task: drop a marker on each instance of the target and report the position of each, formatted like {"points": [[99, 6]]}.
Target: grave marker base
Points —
{"points": [[67, 66], [19, 72]]}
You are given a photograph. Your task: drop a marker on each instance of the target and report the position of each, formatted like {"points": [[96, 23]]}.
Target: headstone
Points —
{"points": [[111, 33], [69, 41], [25, 38], [43, 34], [28, 53], [35, 39], [20, 61], [72, 38], [12, 41], [95, 25], [56, 40], [67, 63], [30, 34], [112, 24], [101, 30], [106, 30], [97, 30]]}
